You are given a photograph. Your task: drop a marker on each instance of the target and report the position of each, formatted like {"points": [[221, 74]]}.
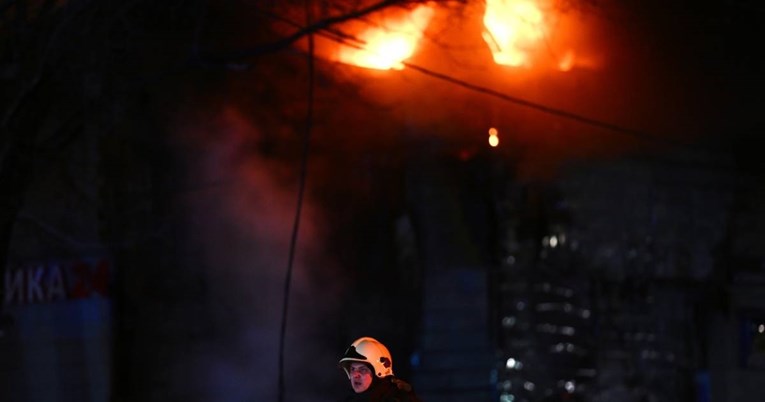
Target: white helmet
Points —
{"points": [[371, 351]]}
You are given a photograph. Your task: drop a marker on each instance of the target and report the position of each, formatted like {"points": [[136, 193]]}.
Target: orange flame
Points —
{"points": [[513, 28], [387, 46]]}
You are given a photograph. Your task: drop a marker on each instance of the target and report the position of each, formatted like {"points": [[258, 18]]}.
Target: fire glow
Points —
{"points": [[531, 34], [389, 44], [513, 29]]}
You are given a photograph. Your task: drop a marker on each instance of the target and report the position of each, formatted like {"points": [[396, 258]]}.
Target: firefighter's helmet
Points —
{"points": [[371, 351]]}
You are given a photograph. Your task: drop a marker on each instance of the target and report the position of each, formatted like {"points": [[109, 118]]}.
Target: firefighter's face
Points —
{"points": [[360, 376]]}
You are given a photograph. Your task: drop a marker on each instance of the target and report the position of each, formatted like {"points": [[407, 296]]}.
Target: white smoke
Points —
{"points": [[243, 220]]}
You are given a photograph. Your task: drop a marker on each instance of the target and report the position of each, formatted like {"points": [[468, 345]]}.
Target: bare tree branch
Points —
{"points": [[313, 28]]}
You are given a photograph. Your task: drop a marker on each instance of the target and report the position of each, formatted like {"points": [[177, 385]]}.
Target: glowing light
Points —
{"points": [[761, 328], [513, 364], [493, 140], [387, 46], [513, 29], [553, 241], [507, 398], [510, 363]]}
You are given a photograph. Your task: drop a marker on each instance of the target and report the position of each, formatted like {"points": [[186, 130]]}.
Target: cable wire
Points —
{"points": [[301, 192], [542, 108]]}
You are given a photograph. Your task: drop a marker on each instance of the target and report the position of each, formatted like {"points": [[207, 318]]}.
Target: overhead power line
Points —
{"points": [[281, 391], [540, 107]]}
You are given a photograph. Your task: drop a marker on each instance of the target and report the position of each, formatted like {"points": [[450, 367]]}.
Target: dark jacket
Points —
{"points": [[387, 389]]}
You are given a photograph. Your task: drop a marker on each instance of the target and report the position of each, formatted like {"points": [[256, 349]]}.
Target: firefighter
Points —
{"points": [[369, 367]]}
